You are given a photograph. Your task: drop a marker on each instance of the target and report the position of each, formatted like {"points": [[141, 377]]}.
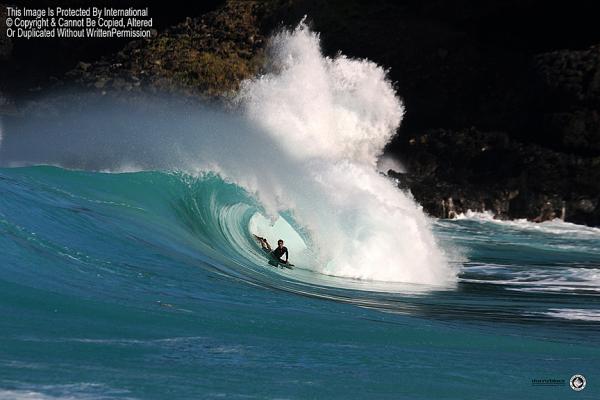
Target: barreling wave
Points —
{"points": [[132, 237], [123, 226], [303, 145]]}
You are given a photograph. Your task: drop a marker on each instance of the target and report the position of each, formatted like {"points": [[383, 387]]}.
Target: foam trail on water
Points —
{"points": [[555, 226], [336, 115]]}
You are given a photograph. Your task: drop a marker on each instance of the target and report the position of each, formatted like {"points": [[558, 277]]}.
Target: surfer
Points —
{"points": [[279, 251]]}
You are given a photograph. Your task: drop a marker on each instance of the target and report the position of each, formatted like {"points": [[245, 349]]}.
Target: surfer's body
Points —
{"points": [[280, 251], [277, 254]]}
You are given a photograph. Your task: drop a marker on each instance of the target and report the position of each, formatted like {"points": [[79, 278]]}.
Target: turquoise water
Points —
{"points": [[148, 285]]}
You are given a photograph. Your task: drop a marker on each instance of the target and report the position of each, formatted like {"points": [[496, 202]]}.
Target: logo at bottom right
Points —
{"points": [[577, 382]]}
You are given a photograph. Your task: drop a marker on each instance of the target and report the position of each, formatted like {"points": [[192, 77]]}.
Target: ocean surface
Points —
{"points": [[128, 268], [148, 285]]}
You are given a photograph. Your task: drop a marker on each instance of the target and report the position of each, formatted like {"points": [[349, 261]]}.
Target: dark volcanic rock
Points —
{"points": [[569, 77], [568, 99], [489, 171]]}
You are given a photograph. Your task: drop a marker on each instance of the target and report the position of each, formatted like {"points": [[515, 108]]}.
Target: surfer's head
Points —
{"points": [[280, 243]]}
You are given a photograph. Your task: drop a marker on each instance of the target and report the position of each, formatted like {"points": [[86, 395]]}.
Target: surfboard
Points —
{"points": [[278, 264]]}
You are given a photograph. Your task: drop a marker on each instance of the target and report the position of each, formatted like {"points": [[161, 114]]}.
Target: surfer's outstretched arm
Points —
{"points": [[263, 243]]}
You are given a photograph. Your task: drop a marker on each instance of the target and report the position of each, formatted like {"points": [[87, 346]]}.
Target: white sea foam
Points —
{"points": [[555, 226], [574, 314], [335, 116], [552, 280], [338, 109], [78, 391], [388, 162]]}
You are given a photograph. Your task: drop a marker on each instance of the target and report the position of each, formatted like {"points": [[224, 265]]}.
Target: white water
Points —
{"points": [[574, 314], [387, 162], [555, 226], [334, 116]]}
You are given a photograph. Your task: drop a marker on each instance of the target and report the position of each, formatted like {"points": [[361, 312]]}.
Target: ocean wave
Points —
{"points": [[302, 141]]}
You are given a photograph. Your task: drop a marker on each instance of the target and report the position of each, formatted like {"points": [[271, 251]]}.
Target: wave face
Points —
{"points": [[304, 142]]}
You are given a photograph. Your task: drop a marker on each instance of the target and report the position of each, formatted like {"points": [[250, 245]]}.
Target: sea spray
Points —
{"points": [[317, 106], [336, 115], [387, 162]]}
